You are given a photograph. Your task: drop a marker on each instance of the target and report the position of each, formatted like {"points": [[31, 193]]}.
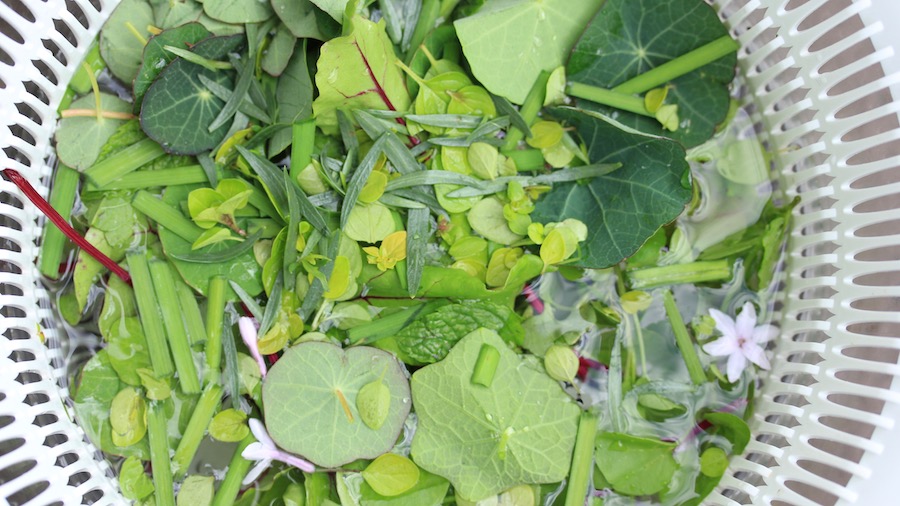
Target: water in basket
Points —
{"points": [[820, 88]]}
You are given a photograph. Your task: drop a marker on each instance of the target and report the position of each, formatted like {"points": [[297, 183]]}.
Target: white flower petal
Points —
{"points": [[259, 432], [736, 364], [746, 321], [295, 461], [764, 333], [723, 322], [255, 451], [249, 335], [755, 354], [725, 345], [257, 470]]}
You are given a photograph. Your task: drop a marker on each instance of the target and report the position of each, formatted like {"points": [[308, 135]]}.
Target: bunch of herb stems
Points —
{"points": [[163, 482], [196, 429], [171, 218], [582, 460], [142, 179], [164, 286], [123, 162], [150, 315]]}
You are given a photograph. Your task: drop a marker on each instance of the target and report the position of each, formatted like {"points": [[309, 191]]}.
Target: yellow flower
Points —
{"points": [[391, 251]]}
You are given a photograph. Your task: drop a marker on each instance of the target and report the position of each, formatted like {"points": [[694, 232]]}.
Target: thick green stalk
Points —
{"points": [[157, 421], [529, 110], [190, 311], [237, 469], [196, 429], [428, 16], [693, 272], [190, 174], [62, 198], [215, 315], [81, 81], [680, 66], [164, 285], [486, 365], [582, 460], [611, 98], [166, 215], [122, 162], [526, 160], [150, 316], [683, 340], [302, 145]]}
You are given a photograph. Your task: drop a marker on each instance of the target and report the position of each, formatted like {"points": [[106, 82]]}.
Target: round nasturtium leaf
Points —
{"points": [[310, 402]]}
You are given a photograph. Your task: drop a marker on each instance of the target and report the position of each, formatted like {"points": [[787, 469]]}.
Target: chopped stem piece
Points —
{"points": [[582, 460], [486, 365], [190, 311], [693, 272], [526, 160], [611, 98], [302, 146], [196, 429], [529, 110], [164, 285], [680, 66], [159, 454], [62, 197], [166, 216], [151, 321], [63, 225], [123, 162], [683, 340], [237, 469], [215, 315], [190, 174]]}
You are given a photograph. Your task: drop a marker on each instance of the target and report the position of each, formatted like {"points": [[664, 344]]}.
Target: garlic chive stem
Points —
{"points": [[190, 310], [529, 110], [683, 340], [157, 421], [680, 66], [164, 286], [486, 365], [166, 216], [123, 162], [693, 272], [582, 460], [302, 145], [62, 198], [151, 319], [237, 469], [142, 179], [196, 429], [215, 313], [607, 97]]}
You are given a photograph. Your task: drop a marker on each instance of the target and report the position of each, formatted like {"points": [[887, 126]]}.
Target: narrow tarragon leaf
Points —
{"points": [[309, 399], [521, 38], [178, 108], [485, 440], [626, 207], [358, 71], [156, 57], [629, 37]]}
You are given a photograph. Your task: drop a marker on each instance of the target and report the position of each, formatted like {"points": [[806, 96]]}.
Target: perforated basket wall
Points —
{"points": [[825, 425]]}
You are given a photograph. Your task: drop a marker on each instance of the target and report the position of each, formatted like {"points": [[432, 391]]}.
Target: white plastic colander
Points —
{"points": [[821, 78]]}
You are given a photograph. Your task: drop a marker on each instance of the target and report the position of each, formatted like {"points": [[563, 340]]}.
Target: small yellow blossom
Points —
{"points": [[391, 251]]}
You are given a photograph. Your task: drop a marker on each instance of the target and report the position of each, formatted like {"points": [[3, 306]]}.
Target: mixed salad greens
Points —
{"points": [[413, 252]]}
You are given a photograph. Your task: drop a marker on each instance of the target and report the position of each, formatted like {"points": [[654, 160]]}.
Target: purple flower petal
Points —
{"points": [[292, 460], [248, 334]]}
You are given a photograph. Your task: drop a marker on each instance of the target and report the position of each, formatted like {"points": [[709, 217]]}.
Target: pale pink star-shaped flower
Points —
{"points": [[264, 451], [742, 341], [248, 330]]}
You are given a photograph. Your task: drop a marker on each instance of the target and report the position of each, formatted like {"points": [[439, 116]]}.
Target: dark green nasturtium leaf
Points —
{"points": [[238, 11], [731, 427], [178, 109], [156, 58], [630, 37], [635, 465], [123, 37], [80, 139], [625, 208], [485, 440], [310, 406]]}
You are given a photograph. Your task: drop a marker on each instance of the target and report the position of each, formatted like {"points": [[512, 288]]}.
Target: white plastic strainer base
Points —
{"points": [[826, 418]]}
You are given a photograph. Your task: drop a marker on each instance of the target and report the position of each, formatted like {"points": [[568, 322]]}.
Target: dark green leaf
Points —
{"points": [[635, 465], [294, 94], [299, 16], [156, 58], [732, 428], [279, 51]]}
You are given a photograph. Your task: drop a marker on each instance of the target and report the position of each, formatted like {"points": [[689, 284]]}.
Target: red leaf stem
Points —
{"points": [[63, 225], [381, 93]]}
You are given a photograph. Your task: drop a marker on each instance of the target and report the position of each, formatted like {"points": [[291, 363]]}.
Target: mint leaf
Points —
{"points": [[635, 465], [521, 38], [309, 401], [629, 37], [623, 209], [485, 440]]}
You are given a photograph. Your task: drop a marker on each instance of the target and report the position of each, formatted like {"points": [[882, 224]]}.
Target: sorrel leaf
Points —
{"points": [[299, 16], [294, 93], [626, 207], [238, 11], [629, 37], [309, 401]]}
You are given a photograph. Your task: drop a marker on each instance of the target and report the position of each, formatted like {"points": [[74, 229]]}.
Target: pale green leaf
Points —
{"points": [[299, 16], [635, 465], [486, 218], [334, 8], [80, 139], [123, 38], [391, 474], [238, 11], [369, 223], [278, 53]]}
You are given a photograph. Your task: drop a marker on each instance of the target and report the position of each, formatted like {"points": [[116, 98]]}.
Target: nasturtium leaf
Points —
{"points": [[127, 416], [358, 71], [625, 208], [430, 490], [731, 427], [486, 440], [521, 38], [309, 402], [171, 14], [229, 425], [298, 16], [155, 57], [294, 93], [391, 474], [128, 350], [238, 11], [133, 481], [178, 108], [630, 37], [79, 139], [369, 223], [635, 465], [123, 37]]}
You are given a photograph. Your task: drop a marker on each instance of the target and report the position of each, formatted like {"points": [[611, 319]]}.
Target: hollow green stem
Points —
{"points": [[486, 365], [302, 145], [164, 285], [150, 316], [62, 198], [157, 421], [191, 174], [693, 272], [166, 215], [428, 16], [680, 66], [611, 98], [640, 339], [529, 110], [215, 316], [196, 429], [190, 311], [237, 469], [582, 460], [124, 161], [683, 340], [81, 82], [526, 160]]}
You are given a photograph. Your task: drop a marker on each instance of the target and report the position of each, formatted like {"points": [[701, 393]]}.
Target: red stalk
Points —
{"points": [[63, 225], [381, 93]]}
